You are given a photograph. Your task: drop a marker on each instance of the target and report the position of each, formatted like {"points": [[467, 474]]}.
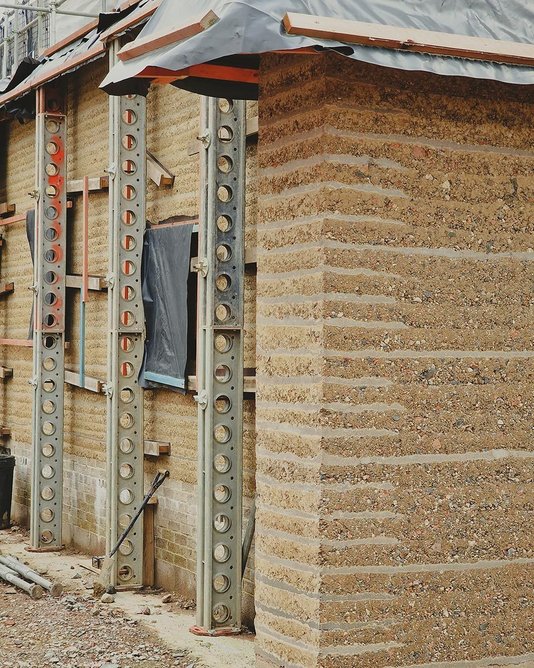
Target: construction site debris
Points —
{"points": [[34, 590], [26, 572]]}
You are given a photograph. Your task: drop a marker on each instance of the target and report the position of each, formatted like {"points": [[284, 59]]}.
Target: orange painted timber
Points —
{"points": [[130, 21], [65, 67], [69, 39], [220, 72], [153, 42], [20, 343]]}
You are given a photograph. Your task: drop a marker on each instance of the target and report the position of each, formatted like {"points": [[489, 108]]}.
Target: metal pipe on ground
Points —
{"points": [[34, 590], [14, 564]]}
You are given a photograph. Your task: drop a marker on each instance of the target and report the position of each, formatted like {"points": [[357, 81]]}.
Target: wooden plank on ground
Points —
{"points": [[96, 283], [150, 43], [6, 372], [5, 432], [158, 173], [156, 448], [409, 39], [91, 384]]}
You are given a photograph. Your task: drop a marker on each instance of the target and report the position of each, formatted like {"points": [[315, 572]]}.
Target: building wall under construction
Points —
{"points": [[173, 125], [395, 368]]}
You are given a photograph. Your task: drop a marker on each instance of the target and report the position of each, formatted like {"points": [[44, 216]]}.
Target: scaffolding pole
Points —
{"points": [[127, 222], [49, 319], [220, 367]]}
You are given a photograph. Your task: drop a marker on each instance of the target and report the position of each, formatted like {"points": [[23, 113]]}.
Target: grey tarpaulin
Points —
{"points": [[254, 27], [166, 260]]}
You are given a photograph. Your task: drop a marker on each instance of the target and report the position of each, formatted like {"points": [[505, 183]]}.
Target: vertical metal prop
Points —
{"points": [[220, 366], [49, 320], [126, 328]]}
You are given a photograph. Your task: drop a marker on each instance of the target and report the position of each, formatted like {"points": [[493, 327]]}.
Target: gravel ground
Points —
{"points": [[74, 631]]}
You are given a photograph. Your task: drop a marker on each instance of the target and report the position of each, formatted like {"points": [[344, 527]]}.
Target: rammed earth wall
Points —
{"points": [[395, 368]]}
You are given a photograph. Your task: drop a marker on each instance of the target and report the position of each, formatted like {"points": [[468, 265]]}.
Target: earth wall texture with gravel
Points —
{"points": [[394, 368]]}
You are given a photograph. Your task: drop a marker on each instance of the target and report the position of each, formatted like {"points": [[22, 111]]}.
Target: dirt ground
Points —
{"points": [[76, 630]]}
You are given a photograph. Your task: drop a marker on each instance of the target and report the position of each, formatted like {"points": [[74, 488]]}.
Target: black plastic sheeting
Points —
{"points": [[24, 69], [254, 27], [30, 233], [165, 276]]}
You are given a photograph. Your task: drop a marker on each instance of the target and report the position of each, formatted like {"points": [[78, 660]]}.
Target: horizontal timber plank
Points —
{"points": [[249, 384], [150, 43], [96, 283], [156, 448], [96, 184], [409, 39], [91, 384], [17, 343]]}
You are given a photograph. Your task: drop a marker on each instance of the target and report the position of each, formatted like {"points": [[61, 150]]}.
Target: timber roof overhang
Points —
{"points": [[209, 46]]}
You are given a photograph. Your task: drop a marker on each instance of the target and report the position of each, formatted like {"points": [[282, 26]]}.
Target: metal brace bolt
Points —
{"points": [[205, 138], [202, 399], [35, 194], [107, 389], [202, 267], [33, 382], [34, 288], [109, 281], [111, 170]]}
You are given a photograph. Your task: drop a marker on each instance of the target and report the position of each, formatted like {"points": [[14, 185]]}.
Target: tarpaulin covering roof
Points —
{"points": [[254, 27], [32, 73]]}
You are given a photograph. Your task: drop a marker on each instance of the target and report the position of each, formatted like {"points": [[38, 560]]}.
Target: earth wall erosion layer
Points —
{"points": [[395, 368], [173, 125]]}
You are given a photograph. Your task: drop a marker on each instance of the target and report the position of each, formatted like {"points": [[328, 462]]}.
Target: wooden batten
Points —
{"points": [[95, 283], [8, 289], [156, 448], [7, 210], [158, 173], [6, 373], [90, 384], [409, 39], [96, 184], [150, 43]]}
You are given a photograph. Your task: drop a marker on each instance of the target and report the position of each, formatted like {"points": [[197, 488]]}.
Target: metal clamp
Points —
{"points": [[202, 399], [202, 267], [107, 389], [205, 139]]}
